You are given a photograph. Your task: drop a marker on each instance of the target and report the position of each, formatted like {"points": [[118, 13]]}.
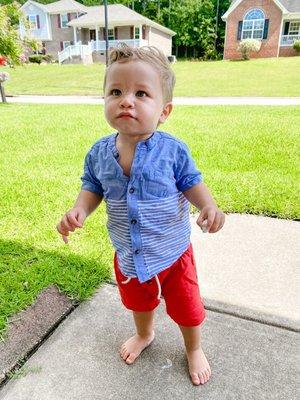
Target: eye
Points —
{"points": [[141, 93], [115, 92]]}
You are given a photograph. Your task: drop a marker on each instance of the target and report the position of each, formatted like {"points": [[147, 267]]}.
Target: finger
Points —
{"points": [[65, 239], [202, 217], [73, 221], [215, 226], [210, 219]]}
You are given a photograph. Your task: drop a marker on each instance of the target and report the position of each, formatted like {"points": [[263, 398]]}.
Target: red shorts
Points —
{"points": [[179, 287]]}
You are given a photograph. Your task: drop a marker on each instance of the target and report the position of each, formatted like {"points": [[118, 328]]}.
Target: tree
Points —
{"points": [[11, 45]]}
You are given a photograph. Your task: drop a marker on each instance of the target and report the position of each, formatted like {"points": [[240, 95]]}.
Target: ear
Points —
{"points": [[165, 112]]}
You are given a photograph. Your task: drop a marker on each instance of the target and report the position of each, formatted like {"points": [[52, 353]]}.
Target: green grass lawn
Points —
{"points": [[249, 157], [261, 77]]}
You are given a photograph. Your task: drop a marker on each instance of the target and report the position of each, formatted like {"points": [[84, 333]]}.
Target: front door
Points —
{"points": [[92, 34]]}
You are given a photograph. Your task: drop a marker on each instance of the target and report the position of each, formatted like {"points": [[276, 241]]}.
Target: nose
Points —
{"points": [[127, 101]]}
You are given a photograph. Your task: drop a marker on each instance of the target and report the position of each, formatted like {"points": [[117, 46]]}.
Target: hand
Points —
{"points": [[211, 219], [70, 221]]}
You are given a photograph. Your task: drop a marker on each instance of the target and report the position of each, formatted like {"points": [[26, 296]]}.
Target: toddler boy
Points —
{"points": [[147, 179]]}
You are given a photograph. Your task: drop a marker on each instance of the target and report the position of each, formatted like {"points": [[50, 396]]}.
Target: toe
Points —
{"points": [[202, 378], [195, 378], [206, 376], [130, 359]]}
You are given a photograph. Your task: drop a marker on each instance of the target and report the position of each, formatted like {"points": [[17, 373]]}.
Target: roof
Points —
{"points": [[287, 6], [118, 14], [62, 6], [291, 5]]}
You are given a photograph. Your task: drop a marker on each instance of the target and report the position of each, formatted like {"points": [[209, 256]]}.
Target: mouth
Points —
{"points": [[126, 116]]}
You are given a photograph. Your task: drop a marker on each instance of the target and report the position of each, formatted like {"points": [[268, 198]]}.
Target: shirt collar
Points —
{"points": [[149, 143]]}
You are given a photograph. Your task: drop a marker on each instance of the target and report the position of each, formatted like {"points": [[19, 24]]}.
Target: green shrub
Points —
{"points": [[296, 46], [35, 59], [48, 58]]}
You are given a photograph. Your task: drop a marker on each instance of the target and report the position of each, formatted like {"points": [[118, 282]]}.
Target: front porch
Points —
{"points": [[86, 51], [290, 32]]}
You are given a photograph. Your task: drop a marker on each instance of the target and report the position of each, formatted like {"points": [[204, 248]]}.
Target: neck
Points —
{"points": [[132, 140]]}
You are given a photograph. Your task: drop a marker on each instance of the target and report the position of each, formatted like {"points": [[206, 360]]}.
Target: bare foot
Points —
{"points": [[198, 366], [133, 347]]}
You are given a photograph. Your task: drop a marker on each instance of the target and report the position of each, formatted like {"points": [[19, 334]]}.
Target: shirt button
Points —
{"points": [[137, 251], [133, 221], [131, 190]]}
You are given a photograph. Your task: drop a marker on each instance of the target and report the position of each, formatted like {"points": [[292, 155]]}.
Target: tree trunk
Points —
{"points": [[185, 54]]}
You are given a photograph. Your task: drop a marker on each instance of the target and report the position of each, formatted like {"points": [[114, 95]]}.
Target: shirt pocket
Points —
{"points": [[158, 183]]}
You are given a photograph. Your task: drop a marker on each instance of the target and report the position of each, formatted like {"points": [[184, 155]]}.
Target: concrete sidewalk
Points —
{"points": [[80, 361], [266, 101], [249, 269]]}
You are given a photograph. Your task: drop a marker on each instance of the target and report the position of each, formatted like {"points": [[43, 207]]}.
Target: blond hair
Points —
{"points": [[150, 55]]}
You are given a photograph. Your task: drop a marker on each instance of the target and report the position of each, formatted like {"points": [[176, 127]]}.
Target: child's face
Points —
{"points": [[133, 98]]}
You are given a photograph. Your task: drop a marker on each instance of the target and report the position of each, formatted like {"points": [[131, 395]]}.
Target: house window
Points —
{"points": [[253, 24], [294, 28], [66, 44], [136, 32], [111, 34], [32, 19], [64, 20]]}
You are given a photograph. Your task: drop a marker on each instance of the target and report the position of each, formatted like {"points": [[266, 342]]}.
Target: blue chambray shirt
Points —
{"points": [[148, 215]]}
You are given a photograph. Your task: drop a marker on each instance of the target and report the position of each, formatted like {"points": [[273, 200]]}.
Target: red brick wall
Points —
{"points": [[287, 51], [269, 46]]}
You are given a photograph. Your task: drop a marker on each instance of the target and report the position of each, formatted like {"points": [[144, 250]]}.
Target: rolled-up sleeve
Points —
{"points": [[186, 173], [89, 179]]}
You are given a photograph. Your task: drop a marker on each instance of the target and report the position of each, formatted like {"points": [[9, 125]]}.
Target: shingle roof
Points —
{"points": [[65, 6], [289, 5], [117, 15]]}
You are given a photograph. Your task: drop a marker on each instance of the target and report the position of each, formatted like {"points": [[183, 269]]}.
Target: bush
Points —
{"points": [[35, 59], [248, 45], [48, 58], [296, 46]]}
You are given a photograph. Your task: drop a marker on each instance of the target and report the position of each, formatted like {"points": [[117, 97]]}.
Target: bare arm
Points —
{"points": [[200, 197], [85, 204], [88, 201]]}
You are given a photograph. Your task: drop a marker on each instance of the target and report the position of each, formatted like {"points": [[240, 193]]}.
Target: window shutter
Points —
{"points": [[286, 28], [58, 21], [266, 29], [116, 33], [239, 33], [38, 21], [61, 46], [69, 17], [143, 32], [131, 32]]}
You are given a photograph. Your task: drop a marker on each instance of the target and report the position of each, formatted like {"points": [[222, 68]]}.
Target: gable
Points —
{"points": [[236, 3]]}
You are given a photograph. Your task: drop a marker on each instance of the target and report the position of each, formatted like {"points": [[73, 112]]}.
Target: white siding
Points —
{"points": [[44, 32]]}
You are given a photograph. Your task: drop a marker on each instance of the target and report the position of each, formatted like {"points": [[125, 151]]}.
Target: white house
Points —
{"points": [[72, 31]]}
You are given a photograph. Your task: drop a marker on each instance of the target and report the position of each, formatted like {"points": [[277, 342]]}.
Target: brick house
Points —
{"points": [[275, 22], [72, 32]]}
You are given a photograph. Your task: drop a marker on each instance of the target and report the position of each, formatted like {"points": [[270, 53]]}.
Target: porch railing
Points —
{"points": [[83, 50], [77, 49], [288, 40], [100, 44]]}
